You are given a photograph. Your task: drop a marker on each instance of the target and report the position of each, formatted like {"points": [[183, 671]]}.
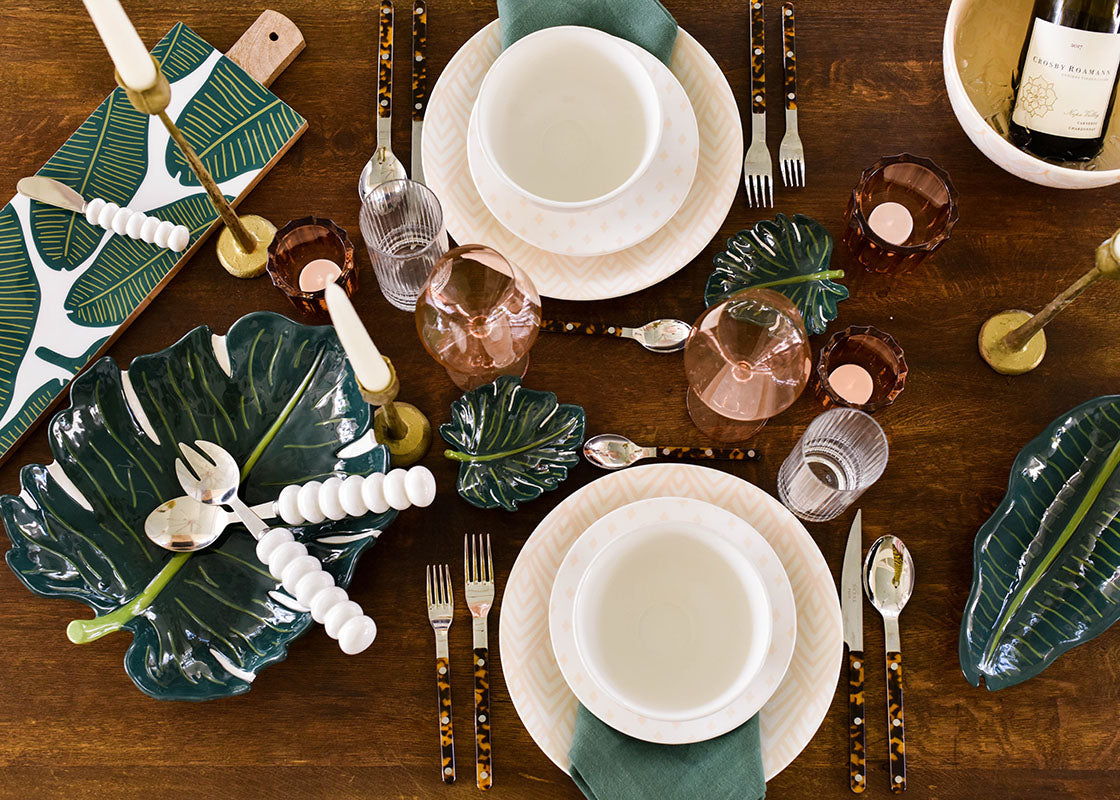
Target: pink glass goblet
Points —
{"points": [[747, 360], [478, 316]]}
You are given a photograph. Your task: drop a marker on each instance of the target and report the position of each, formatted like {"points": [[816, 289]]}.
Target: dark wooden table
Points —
{"points": [[324, 725]]}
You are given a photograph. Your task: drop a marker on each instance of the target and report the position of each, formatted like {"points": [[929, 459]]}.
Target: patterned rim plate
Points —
{"points": [[641, 211], [543, 700], [744, 540], [600, 277]]}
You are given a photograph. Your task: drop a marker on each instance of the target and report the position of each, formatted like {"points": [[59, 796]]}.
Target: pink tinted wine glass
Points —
{"points": [[478, 316]]}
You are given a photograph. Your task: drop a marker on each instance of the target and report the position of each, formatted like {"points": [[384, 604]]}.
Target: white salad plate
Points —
{"points": [[681, 239], [672, 620], [544, 702], [622, 221]]}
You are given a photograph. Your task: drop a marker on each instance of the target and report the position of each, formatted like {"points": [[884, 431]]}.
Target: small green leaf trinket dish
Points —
{"points": [[1044, 565], [514, 444], [788, 256], [282, 399]]}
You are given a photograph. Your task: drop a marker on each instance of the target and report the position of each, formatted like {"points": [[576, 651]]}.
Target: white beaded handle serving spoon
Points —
{"points": [[184, 525]]}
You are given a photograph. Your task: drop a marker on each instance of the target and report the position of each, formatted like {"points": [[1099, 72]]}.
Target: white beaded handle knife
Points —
{"points": [[110, 216]]}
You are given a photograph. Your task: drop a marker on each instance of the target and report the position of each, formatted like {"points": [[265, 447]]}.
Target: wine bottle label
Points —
{"points": [[1067, 81]]}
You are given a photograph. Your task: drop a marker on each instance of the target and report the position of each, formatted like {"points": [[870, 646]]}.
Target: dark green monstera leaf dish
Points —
{"points": [[514, 443], [788, 256], [281, 398], [1045, 565]]}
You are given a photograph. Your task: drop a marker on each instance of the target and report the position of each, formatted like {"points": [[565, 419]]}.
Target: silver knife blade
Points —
{"points": [[417, 157], [851, 586]]}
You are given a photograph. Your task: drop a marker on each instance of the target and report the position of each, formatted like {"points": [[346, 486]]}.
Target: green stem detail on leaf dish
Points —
{"points": [[455, 455], [81, 631], [825, 275], [1075, 521]]}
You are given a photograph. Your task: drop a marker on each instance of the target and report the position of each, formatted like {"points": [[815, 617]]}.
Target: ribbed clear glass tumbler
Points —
{"points": [[402, 224], [840, 455]]}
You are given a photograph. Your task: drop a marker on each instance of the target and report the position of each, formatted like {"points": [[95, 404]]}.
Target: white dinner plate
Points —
{"points": [[468, 220], [672, 665], [621, 222], [544, 702]]}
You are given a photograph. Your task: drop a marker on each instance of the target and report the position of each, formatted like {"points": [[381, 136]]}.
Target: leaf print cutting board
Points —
{"points": [[68, 288]]}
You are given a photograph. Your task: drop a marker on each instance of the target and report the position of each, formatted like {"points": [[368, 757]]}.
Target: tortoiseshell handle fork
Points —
{"points": [[758, 57], [385, 60], [897, 729], [857, 728]]}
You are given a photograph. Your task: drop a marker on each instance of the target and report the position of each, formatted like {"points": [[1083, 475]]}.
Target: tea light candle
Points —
{"points": [[369, 367], [891, 222], [316, 274], [129, 54], [853, 383]]}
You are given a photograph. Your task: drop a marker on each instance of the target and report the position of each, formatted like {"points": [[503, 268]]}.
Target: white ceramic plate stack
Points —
{"points": [[504, 133], [674, 602]]}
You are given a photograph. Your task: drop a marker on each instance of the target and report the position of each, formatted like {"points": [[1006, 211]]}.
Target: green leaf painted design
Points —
{"points": [[106, 157], [789, 256], [234, 124], [514, 443], [181, 52], [127, 270], [19, 303], [1046, 565], [203, 623]]}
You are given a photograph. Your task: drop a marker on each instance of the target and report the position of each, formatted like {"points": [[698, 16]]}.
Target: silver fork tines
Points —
{"points": [[478, 567], [758, 169], [791, 154], [441, 604]]}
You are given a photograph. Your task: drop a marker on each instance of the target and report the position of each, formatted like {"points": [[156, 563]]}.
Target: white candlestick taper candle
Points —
{"points": [[369, 367], [129, 54]]}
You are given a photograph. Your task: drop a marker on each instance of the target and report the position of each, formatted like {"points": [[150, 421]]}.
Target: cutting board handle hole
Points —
{"points": [[274, 36]]}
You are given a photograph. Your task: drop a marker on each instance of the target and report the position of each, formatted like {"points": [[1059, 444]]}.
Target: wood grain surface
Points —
{"points": [[324, 725]]}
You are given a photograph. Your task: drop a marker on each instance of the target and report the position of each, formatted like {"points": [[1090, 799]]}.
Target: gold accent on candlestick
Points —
{"points": [[1013, 342], [243, 244], [401, 427]]}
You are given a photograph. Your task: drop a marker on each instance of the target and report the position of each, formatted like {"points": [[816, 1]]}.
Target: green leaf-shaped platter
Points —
{"points": [[788, 256], [281, 398], [514, 443], [1045, 565]]}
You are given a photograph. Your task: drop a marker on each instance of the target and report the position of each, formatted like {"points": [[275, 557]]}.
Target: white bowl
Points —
{"points": [[568, 117], [671, 619], [981, 49]]}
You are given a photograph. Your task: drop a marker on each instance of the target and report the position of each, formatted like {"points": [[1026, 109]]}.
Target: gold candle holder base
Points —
{"points": [[239, 262], [1002, 358], [401, 427]]}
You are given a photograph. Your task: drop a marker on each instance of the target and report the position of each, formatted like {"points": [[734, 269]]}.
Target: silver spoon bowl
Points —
{"points": [[661, 335], [184, 525]]}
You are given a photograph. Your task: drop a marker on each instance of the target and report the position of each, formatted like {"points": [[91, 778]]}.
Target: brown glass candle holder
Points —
{"points": [[927, 194], [874, 351], [299, 243]]}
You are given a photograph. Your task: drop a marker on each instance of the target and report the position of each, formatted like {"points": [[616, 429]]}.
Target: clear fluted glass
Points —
{"points": [[840, 455], [402, 224]]}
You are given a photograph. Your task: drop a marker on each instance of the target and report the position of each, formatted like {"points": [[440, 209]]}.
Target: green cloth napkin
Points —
{"points": [[646, 23], [608, 765]]}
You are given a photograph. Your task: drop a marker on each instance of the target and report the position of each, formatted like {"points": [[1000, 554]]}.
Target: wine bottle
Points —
{"points": [[1066, 82]]}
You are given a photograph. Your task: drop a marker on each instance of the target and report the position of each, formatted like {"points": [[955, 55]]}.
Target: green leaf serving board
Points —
{"points": [[1045, 565], [67, 288], [281, 398]]}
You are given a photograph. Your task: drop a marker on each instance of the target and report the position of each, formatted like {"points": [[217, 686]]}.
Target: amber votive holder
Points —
{"points": [[870, 349], [926, 194], [299, 243]]}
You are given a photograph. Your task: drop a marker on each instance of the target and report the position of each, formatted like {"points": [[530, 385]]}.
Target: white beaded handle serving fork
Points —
{"points": [[215, 481], [479, 568], [441, 608], [758, 169], [791, 155]]}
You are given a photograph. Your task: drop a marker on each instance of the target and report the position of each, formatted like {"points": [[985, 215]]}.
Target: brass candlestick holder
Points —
{"points": [[401, 427], [243, 243], [1013, 342]]}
